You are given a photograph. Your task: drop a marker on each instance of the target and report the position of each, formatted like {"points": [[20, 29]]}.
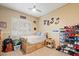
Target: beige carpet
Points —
{"points": [[40, 52]]}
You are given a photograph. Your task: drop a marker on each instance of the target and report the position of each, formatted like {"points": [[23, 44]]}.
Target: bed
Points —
{"points": [[33, 39], [32, 42]]}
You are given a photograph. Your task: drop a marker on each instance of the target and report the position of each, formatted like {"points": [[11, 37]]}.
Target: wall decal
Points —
{"points": [[53, 20], [45, 22], [57, 20], [48, 23]]}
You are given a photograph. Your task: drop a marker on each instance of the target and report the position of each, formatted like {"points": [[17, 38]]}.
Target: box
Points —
{"points": [[17, 47]]}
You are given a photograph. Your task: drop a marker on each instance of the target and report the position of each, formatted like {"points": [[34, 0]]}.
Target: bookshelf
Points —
{"points": [[69, 40]]}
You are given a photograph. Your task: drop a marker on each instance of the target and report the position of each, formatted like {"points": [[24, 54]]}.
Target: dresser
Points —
{"points": [[0, 44]]}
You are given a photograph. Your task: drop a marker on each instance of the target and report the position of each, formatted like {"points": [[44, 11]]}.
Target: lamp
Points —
{"points": [[33, 9]]}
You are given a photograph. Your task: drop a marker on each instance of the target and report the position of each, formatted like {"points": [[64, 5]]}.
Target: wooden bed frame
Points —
{"points": [[27, 48]]}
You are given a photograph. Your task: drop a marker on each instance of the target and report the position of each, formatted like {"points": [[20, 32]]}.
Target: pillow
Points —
{"points": [[42, 34]]}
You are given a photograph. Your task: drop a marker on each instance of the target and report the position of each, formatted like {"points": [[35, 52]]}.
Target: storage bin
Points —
{"points": [[17, 47]]}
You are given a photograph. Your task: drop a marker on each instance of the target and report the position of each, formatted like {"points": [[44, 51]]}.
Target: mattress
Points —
{"points": [[33, 39]]}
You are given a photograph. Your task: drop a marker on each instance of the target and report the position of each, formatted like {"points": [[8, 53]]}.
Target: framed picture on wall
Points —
{"points": [[34, 22], [3, 24]]}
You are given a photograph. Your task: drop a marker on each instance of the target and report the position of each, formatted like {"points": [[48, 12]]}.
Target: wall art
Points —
{"points": [[34, 22], [57, 20], [3, 24], [53, 20], [34, 28]]}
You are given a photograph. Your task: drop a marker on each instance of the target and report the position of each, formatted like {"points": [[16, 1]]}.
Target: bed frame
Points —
{"points": [[27, 48]]}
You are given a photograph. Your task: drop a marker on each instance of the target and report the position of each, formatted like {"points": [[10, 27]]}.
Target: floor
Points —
{"points": [[40, 52]]}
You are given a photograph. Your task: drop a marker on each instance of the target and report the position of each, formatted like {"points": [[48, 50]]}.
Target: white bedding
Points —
{"points": [[33, 39]]}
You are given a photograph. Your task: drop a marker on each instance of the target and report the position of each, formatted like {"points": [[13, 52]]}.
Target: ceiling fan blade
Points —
{"points": [[30, 8], [34, 7], [38, 10]]}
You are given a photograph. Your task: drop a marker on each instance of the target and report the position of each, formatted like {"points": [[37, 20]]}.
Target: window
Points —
{"points": [[20, 27]]}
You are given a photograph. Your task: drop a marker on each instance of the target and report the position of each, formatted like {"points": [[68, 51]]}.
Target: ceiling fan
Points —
{"points": [[34, 8]]}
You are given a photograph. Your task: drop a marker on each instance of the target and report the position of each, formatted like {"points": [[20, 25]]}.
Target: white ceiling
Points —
{"points": [[23, 7]]}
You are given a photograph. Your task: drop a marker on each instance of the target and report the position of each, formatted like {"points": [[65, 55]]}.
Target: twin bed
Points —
{"points": [[33, 39], [33, 42]]}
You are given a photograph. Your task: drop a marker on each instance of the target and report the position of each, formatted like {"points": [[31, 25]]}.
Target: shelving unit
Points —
{"points": [[69, 40]]}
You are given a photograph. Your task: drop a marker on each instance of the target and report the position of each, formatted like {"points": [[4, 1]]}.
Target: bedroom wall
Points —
{"points": [[68, 14], [6, 16]]}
